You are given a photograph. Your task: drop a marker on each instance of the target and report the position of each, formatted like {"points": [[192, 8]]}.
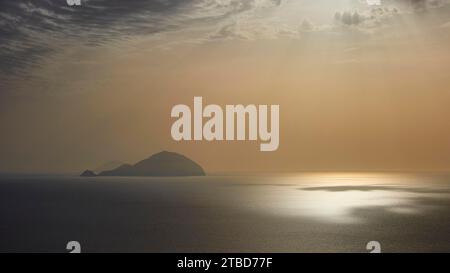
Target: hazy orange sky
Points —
{"points": [[359, 87]]}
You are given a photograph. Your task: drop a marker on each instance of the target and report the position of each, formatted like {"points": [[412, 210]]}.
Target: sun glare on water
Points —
{"points": [[346, 198]]}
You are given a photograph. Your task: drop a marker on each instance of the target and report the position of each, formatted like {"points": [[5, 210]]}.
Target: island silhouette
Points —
{"points": [[110, 165], [160, 164]]}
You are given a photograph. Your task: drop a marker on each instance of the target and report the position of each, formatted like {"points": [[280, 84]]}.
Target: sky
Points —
{"points": [[360, 87]]}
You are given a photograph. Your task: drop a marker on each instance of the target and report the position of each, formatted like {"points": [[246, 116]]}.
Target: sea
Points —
{"points": [[294, 213]]}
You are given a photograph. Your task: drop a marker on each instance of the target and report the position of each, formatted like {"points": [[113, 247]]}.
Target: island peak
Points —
{"points": [[164, 163], [88, 173]]}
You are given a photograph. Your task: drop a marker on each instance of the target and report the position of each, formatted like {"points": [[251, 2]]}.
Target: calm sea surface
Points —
{"points": [[316, 212]]}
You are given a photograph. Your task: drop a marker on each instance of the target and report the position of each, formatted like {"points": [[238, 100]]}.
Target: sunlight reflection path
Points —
{"points": [[337, 197]]}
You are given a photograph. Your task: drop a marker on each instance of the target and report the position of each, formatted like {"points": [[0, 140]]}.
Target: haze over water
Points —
{"points": [[310, 212]]}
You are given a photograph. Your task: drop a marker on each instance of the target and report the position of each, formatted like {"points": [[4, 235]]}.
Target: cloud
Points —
{"points": [[307, 25], [416, 5], [374, 17], [247, 24], [348, 18], [32, 31], [385, 12]]}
